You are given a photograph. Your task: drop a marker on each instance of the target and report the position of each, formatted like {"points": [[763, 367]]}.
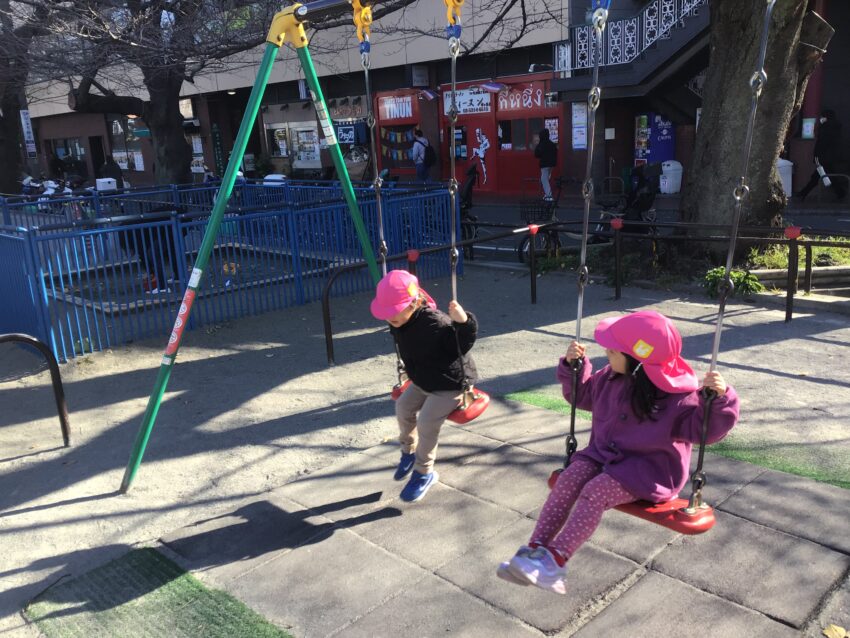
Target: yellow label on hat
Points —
{"points": [[642, 349], [413, 289]]}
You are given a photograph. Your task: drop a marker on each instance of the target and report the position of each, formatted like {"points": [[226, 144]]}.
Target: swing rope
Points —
{"points": [[594, 96], [362, 18], [453, 33], [740, 194]]}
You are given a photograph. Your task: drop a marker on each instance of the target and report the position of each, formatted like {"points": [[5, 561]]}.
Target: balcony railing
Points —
{"points": [[626, 39]]}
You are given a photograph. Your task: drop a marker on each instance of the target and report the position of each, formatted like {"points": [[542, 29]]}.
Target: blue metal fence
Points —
{"points": [[92, 284]]}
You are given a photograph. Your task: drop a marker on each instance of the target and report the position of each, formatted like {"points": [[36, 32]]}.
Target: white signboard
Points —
{"points": [[29, 137], [579, 126], [469, 101]]}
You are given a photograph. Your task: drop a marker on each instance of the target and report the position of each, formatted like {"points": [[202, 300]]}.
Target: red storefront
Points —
{"points": [[498, 125], [398, 113]]}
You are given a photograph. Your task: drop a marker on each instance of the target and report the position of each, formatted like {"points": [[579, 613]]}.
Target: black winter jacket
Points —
{"points": [[547, 153], [429, 350]]}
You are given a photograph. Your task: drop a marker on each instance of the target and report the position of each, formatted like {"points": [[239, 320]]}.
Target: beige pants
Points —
{"points": [[421, 433]]}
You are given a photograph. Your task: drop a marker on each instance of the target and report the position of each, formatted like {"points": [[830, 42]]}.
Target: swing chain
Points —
{"points": [[362, 18], [594, 98], [741, 192], [453, 32]]}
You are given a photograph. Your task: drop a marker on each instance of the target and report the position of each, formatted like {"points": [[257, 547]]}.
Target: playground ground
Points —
{"points": [[252, 407]]}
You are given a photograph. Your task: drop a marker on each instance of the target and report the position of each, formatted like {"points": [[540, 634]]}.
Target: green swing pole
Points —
{"points": [[286, 26], [336, 155]]}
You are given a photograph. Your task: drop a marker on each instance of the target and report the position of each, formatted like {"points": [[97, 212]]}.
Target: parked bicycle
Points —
{"points": [[541, 211]]}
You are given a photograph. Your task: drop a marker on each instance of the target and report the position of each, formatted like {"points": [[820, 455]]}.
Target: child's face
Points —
{"points": [[397, 321], [617, 360]]}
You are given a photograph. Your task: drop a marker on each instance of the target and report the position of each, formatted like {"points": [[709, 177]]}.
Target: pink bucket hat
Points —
{"points": [[396, 291], [653, 340]]}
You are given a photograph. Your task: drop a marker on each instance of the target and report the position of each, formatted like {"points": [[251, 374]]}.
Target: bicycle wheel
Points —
{"points": [[543, 247]]}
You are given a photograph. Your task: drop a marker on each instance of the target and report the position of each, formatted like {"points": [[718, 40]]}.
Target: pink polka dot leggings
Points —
{"points": [[576, 504]]}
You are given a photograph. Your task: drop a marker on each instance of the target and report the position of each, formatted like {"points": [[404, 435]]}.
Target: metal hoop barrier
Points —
{"points": [[55, 378]]}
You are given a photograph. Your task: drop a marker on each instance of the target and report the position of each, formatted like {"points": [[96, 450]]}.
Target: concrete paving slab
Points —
{"points": [[594, 572], [660, 606], [779, 575], [436, 608], [536, 429], [785, 502], [725, 477], [234, 543], [507, 476], [836, 611], [316, 589], [352, 479], [250, 535], [631, 537], [441, 527]]}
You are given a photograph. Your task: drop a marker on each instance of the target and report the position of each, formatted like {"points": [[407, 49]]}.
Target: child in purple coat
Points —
{"points": [[647, 414]]}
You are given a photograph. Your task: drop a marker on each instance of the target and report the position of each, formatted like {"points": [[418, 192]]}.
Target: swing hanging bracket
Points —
{"points": [[288, 26]]}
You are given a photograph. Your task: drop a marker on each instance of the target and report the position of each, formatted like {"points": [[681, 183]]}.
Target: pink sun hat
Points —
{"points": [[653, 340], [395, 292]]}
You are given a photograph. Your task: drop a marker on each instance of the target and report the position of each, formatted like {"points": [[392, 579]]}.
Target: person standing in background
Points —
{"points": [[827, 155], [547, 153]]}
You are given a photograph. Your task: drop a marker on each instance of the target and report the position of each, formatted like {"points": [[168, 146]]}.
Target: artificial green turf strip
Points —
{"points": [[787, 461], [781, 461], [548, 400], [143, 594]]}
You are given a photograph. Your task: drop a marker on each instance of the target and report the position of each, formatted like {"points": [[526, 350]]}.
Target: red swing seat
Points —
{"points": [[670, 514], [399, 388], [460, 415]]}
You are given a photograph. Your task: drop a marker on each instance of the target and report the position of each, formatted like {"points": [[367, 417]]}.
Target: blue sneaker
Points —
{"points": [[404, 466], [418, 486]]}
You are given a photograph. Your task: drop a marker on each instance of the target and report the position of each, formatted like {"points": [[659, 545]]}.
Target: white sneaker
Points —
{"points": [[503, 571], [540, 568]]}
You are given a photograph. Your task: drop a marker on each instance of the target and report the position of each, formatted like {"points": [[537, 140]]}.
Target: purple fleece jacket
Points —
{"points": [[650, 458]]}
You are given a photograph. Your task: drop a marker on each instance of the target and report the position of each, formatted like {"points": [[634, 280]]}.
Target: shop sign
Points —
{"points": [[395, 107], [218, 149], [29, 137], [345, 134], [579, 126], [469, 101], [349, 111], [523, 97]]}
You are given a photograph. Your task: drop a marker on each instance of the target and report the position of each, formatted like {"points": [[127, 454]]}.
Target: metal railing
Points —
{"points": [[624, 40], [92, 284]]}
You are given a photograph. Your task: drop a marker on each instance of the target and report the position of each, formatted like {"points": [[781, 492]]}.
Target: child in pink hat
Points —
{"points": [[431, 344], [647, 414]]}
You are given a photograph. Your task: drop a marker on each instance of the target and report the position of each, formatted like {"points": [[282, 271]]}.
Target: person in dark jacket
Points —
{"points": [[547, 152], [827, 155], [111, 169], [434, 347]]}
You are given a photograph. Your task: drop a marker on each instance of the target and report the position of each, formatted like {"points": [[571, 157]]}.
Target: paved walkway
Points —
{"points": [[277, 453], [338, 553]]}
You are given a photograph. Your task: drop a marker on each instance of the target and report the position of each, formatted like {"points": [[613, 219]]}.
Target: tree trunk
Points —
{"points": [[173, 155], [736, 27], [10, 142]]}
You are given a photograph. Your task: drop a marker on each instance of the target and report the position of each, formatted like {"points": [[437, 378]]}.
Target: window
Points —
{"points": [[505, 138], [519, 133]]}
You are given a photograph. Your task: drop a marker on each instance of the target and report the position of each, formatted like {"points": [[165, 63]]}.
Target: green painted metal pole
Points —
{"points": [[339, 163], [210, 234]]}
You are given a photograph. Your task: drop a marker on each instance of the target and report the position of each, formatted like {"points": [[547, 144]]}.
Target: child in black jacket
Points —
{"points": [[434, 348]]}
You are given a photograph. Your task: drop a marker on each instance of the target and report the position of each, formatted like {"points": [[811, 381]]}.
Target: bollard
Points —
{"points": [[807, 280], [412, 258], [792, 233], [617, 225], [532, 259]]}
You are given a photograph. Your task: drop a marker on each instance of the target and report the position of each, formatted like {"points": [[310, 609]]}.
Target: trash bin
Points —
{"points": [[786, 174], [672, 170]]}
